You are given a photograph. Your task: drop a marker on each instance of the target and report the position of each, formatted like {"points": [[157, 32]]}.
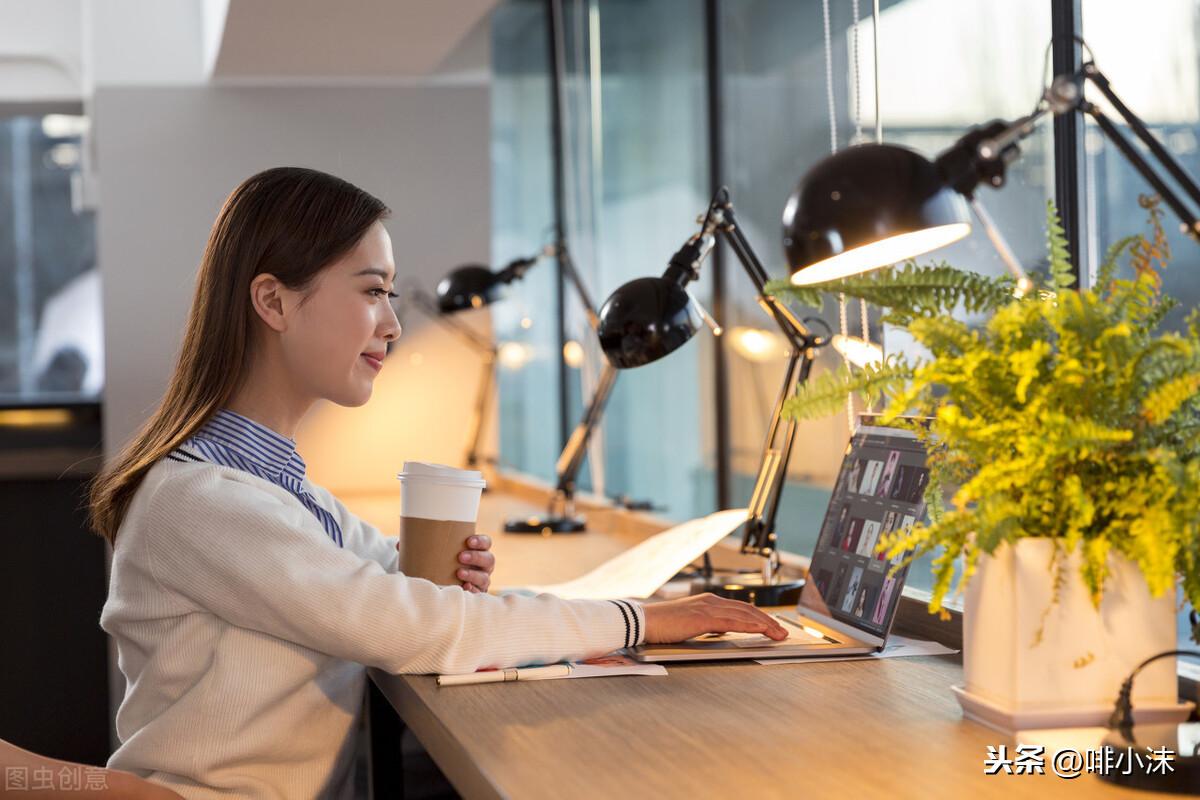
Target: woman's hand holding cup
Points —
{"points": [[477, 563], [438, 507]]}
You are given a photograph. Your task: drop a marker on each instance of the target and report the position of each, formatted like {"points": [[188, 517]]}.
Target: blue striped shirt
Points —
{"points": [[231, 440]]}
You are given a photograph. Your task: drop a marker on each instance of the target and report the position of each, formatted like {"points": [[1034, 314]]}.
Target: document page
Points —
{"points": [[641, 570]]}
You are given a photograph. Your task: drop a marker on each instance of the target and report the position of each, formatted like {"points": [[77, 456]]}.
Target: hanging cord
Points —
{"points": [[833, 137], [858, 134], [878, 116], [589, 373], [843, 324], [875, 45], [858, 131]]}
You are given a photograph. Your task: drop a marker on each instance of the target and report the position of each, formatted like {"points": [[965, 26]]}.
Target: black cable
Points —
{"points": [[1122, 715]]}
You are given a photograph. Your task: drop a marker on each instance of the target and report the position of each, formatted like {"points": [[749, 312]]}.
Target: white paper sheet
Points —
{"points": [[614, 664], [642, 569], [896, 646]]}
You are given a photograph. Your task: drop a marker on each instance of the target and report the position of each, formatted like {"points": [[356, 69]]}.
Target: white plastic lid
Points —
{"points": [[440, 473]]}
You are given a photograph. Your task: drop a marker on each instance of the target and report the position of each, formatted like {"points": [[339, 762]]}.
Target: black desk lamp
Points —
{"points": [[475, 285], [872, 205], [649, 318], [560, 516], [481, 344], [468, 287]]}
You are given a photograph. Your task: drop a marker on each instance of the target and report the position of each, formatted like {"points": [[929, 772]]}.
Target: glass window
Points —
{"points": [[50, 323], [522, 221], [636, 178], [777, 124], [1161, 85], [639, 177]]}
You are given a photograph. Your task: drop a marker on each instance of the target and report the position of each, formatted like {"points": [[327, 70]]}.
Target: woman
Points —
{"points": [[245, 600]]}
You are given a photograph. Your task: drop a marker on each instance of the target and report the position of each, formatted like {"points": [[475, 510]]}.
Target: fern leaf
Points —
{"points": [[1108, 268], [909, 291], [822, 396], [1062, 274]]}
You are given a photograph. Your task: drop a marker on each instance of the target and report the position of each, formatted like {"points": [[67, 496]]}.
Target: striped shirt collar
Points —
{"points": [[272, 452]]}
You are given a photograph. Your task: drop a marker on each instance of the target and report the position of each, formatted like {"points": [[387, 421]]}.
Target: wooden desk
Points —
{"points": [[887, 728], [842, 729]]}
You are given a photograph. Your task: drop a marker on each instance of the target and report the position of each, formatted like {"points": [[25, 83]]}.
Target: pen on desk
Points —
{"points": [[506, 675]]}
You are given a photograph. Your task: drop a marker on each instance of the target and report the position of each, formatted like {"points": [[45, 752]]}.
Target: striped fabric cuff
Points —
{"points": [[634, 621]]}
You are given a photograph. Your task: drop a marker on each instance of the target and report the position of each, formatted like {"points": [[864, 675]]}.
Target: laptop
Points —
{"points": [[849, 600]]}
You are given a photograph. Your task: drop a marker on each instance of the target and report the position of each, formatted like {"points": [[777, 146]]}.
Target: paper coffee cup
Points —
{"points": [[438, 507]]}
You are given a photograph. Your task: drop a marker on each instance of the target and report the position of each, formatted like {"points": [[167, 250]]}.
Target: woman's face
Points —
{"points": [[335, 345]]}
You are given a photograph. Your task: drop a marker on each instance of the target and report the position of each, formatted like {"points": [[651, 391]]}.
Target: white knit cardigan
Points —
{"points": [[242, 631]]}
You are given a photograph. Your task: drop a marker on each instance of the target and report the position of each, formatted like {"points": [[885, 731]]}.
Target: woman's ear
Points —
{"points": [[268, 296]]}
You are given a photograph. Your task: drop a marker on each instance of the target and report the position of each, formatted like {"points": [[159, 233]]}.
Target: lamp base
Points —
{"points": [[546, 526], [749, 588]]}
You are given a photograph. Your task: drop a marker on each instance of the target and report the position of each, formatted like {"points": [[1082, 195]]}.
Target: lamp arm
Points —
{"points": [[585, 298], [1169, 163], [515, 270], [1024, 284], [1190, 226], [793, 329], [487, 386], [1065, 95], [425, 304], [573, 454], [758, 535]]}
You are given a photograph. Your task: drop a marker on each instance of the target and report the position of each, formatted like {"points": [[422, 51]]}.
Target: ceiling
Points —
{"points": [[349, 38]]}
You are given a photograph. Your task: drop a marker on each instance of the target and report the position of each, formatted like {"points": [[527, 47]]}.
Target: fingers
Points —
{"points": [[474, 578], [479, 542], [479, 559], [742, 617], [682, 619]]}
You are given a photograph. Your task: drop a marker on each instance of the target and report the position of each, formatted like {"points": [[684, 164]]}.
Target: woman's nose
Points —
{"points": [[392, 329]]}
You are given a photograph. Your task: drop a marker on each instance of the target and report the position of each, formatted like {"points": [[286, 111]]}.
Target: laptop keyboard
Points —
{"points": [[797, 634]]}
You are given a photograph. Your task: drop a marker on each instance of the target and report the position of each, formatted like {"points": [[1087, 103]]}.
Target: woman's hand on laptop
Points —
{"points": [[677, 620]]}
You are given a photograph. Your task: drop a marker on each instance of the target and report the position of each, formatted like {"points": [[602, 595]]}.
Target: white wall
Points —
{"points": [[40, 44], [167, 159], [145, 42]]}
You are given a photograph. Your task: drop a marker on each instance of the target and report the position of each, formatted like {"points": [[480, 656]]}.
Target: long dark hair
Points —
{"points": [[288, 221]]}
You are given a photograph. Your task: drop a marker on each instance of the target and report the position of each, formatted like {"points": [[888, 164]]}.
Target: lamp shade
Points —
{"points": [[645, 320], [468, 286], [866, 207]]}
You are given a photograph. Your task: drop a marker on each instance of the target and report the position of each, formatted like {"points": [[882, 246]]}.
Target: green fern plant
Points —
{"points": [[1063, 414]]}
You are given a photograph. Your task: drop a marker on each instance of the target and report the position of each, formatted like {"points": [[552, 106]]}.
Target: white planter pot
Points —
{"points": [[1071, 677]]}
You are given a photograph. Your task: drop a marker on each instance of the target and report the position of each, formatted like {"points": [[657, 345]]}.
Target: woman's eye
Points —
{"points": [[381, 293]]}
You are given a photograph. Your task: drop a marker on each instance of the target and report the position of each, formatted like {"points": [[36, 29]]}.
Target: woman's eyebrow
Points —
{"points": [[372, 271]]}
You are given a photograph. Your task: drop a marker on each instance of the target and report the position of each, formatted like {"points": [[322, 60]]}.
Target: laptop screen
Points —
{"points": [[880, 488]]}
